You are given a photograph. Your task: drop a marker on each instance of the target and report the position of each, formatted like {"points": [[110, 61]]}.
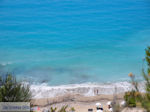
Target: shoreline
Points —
{"points": [[86, 90], [74, 95]]}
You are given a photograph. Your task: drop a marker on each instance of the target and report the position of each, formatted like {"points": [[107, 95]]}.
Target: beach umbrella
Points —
{"points": [[109, 103], [98, 104]]}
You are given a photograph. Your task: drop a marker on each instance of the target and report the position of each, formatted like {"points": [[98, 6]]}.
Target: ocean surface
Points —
{"points": [[62, 42]]}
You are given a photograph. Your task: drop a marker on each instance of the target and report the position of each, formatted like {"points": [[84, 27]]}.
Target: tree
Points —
{"points": [[148, 59], [146, 98], [13, 91]]}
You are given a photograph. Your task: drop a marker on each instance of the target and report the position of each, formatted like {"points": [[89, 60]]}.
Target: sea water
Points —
{"points": [[63, 42]]}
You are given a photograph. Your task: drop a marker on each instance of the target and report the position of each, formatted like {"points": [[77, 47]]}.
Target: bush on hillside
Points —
{"points": [[135, 98], [13, 91], [146, 97]]}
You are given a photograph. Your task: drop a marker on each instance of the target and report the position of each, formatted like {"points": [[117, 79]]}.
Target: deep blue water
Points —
{"points": [[73, 41]]}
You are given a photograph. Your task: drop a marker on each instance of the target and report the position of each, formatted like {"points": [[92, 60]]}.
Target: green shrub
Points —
{"points": [[53, 109], [146, 97], [63, 109], [134, 97], [130, 100], [13, 91], [72, 109], [146, 104]]}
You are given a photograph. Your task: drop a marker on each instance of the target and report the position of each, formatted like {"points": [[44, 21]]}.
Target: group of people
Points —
{"points": [[99, 107]]}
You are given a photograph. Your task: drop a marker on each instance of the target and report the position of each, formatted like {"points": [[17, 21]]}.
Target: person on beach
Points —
{"points": [[96, 92], [99, 107], [109, 104]]}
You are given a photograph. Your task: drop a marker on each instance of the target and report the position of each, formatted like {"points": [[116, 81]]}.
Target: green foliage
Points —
{"points": [[146, 103], [53, 109], [147, 84], [13, 91], [146, 97], [147, 76], [62, 109], [130, 100], [148, 59], [133, 97], [72, 109]]}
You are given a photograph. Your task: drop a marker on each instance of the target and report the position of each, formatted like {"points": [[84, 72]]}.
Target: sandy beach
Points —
{"points": [[79, 102]]}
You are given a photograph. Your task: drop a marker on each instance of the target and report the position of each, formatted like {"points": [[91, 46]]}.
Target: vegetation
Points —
{"points": [[53, 109], [62, 109], [134, 98], [146, 97], [72, 109], [13, 91]]}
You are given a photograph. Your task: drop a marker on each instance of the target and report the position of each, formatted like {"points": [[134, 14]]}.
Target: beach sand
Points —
{"points": [[79, 102]]}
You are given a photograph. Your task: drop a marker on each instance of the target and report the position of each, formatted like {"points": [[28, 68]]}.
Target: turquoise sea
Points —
{"points": [[73, 41]]}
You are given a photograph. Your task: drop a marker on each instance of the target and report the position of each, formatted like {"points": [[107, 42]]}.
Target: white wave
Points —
{"points": [[87, 89], [6, 63]]}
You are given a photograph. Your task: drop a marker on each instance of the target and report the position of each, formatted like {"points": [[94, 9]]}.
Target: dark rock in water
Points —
{"points": [[44, 81]]}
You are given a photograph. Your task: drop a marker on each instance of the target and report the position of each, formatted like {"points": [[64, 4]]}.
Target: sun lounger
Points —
{"points": [[90, 110]]}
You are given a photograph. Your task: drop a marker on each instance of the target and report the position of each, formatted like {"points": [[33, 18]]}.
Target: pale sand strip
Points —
{"points": [[80, 103]]}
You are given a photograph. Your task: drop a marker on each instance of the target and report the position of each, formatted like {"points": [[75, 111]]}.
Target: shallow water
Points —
{"points": [[73, 41]]}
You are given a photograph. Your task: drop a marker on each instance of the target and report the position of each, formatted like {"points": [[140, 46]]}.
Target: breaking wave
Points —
{"points": [[86, 89]]}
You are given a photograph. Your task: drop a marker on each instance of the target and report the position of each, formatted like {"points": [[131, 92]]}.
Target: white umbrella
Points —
{"points": [[98, 104], [109, 103]]}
